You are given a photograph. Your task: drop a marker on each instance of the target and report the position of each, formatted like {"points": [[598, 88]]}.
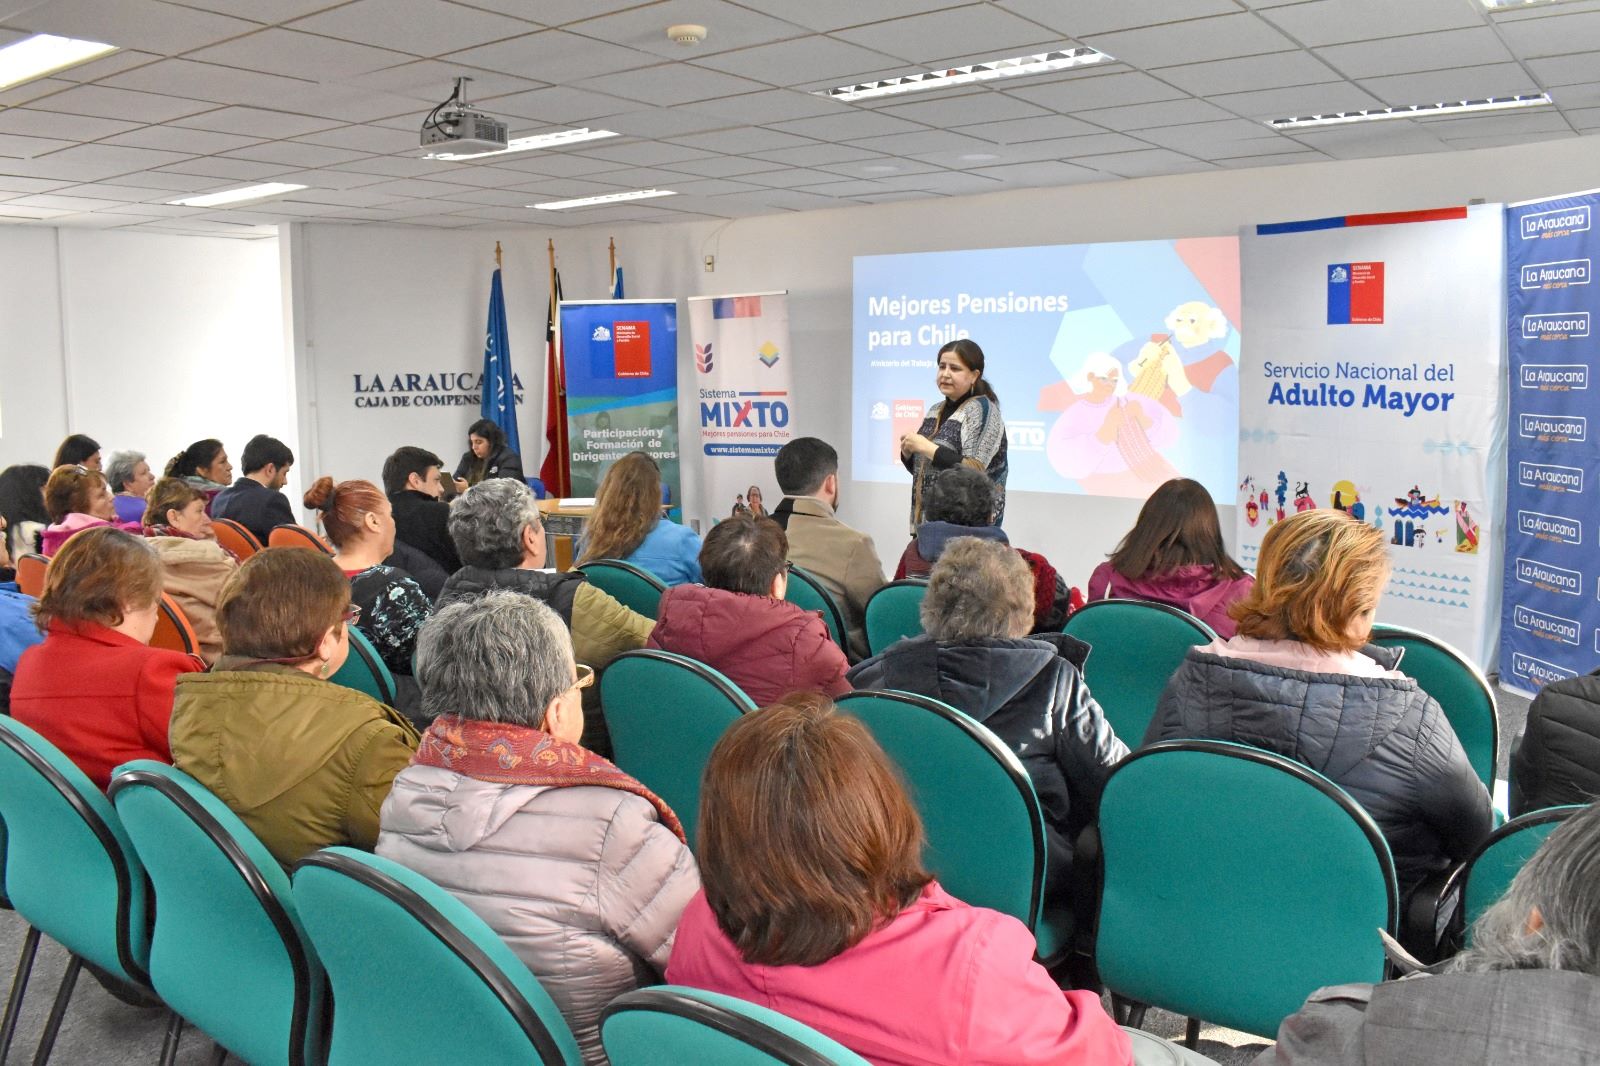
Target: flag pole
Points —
{"points": [[613, 273], [563, 459], [498, 264]]}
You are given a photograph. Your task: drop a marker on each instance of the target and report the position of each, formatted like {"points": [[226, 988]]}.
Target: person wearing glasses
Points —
{"points": [[303, 762], [581, 869], [77, 498]]}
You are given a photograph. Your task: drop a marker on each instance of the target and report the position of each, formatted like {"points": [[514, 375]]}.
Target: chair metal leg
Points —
{"points": [[1119, 1009], [19, 987], [219, 1054], [169, 1043], [1191, 1035], [58, 1010], [1136, 1015]]}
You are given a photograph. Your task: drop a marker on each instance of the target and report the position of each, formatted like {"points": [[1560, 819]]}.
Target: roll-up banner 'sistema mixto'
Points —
{"points": [[1372, 381], [621, 359], [1550, 621]]}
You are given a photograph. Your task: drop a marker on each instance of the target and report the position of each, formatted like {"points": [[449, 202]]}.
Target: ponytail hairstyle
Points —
{"points": [[342, 506], [196, 457], [971, 357]]}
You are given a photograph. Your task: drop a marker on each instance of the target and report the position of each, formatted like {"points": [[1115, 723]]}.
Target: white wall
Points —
{"points": [[142, 341], [385, 298]]}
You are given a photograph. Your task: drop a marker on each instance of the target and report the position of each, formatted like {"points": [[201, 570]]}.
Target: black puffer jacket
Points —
{"points": [[1030, 694], [1383, 740], [1558, 759]]}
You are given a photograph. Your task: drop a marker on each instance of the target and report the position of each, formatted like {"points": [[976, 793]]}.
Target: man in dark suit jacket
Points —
{"points": [[411, 477], [255, 500]]}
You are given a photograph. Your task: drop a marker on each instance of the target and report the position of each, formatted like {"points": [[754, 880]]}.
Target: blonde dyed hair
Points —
{"points": [[1318, 572]]}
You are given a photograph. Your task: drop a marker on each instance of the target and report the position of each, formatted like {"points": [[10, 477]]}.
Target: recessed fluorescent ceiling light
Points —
{"points": [[526, 144], [609, 198], [944, 79], [235, 196], [1502, 5], [45, 53], [1451, 107]]}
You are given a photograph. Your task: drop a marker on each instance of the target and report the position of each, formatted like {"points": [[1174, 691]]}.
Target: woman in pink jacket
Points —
{"points": [[815, 904], [1174, 555]]}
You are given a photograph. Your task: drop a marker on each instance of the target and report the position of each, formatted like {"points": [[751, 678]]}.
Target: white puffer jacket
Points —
{"points": [[584, 883]]}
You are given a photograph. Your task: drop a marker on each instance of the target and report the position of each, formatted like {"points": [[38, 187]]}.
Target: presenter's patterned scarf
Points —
{"points": [[517, 755]]}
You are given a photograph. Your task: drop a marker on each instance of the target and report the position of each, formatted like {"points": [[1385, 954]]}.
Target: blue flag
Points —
{"points": [[616, 283], [499, 399]]}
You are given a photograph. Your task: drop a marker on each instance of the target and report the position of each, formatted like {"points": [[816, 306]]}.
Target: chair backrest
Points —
{"points": [[666, 712], [364, 669], [70, 870], [985, 830], [1136, 646], [1460, 687], [671, 1023], [372, 920], [30, 574], [236, 538], [173, 630], [809, 594], [636, 589], [290, 535], [1235, 883], [893, 612], [1490, 870], [226, 930]]}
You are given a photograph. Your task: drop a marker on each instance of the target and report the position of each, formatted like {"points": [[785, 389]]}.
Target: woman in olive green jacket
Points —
{"points": [[304, 763]]}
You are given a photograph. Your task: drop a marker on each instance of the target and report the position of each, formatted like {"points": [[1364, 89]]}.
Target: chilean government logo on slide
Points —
{"points": [[1355, 294]]}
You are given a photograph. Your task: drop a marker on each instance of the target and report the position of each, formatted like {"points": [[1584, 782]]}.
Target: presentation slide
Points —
{"points": [[1116, 364]]}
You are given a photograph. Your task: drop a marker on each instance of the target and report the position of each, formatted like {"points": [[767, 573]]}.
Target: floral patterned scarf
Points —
{"points": [[517, 755]]}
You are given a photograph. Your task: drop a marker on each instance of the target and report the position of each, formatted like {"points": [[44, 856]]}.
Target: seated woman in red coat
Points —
{"points": [[1174, 555], [739, 623], [94, 688], [815, 904]]}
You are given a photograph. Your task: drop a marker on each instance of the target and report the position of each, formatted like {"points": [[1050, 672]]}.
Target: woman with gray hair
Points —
{"points": [[131, 480], [582, 870], [1526, 991], [975, 654]]}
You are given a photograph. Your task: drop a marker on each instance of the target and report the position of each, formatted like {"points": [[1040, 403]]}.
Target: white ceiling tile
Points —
{"points": [[560, 164], [1194, 41], [1301, 100], [181, 139], [848, 126], [296, 154], [148, 25], [1281, 159], [161, 179], [491, 197], [712, 186], [744, 139], [349, 104], [102, 102], [1493, 124], [119, 159], [1364, 140], [646, 153], [1149, 163], [850, 188], [264, 11], [560, 105], [964, 110], [14, 146], [255, 122], [60, 125], [663, 122], [416, 188], [1203, 138], [827, 15], [790, 177], [1572, 96], [1023, 130], [772, 105], [895, 144], [105, 66], [60, 202], [432, 80], [1163, 113], [1553, 36], [642, 177], [30, 212], [422, 27], [1466, 83], [555, 56], [344, 197], [96, 220], [11, 183], [1564, 70], [1406, 55], [1101, 16], [226, 169], [1094, 144], [18, 95], [724, 166], [1324, 22], [206, 81], [1585, 118], [1071, 95], [805, 61], [1271, 71], [730, 26], [1044, 173], [471, 175], [394, 166], [1033, 151], [300, 55], [367, 139], [671, 84], [965, 183], [119, 191], [937, 35], [1468, 143]]}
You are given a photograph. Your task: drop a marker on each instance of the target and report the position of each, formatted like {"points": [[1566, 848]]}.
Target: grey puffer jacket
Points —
{"points": [[1383, 740], [584, 883]]}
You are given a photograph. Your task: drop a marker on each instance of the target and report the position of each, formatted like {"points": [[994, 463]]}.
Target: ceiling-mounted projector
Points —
{"points": [[455, 127]]}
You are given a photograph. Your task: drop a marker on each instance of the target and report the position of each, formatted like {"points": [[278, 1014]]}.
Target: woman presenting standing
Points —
{"points": [[964, 427]]}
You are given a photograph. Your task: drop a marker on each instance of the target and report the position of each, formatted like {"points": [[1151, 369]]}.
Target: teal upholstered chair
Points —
{"points": [[226, 932], [985, 830], [1236, 883], [24, 967], [462, 995], [665, 713], [71, 871], [670, 1023], [634, 588], [1486, 875], [1135, 647], [809, 594], [1460, 687], [364, 669], [893, 612]]}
